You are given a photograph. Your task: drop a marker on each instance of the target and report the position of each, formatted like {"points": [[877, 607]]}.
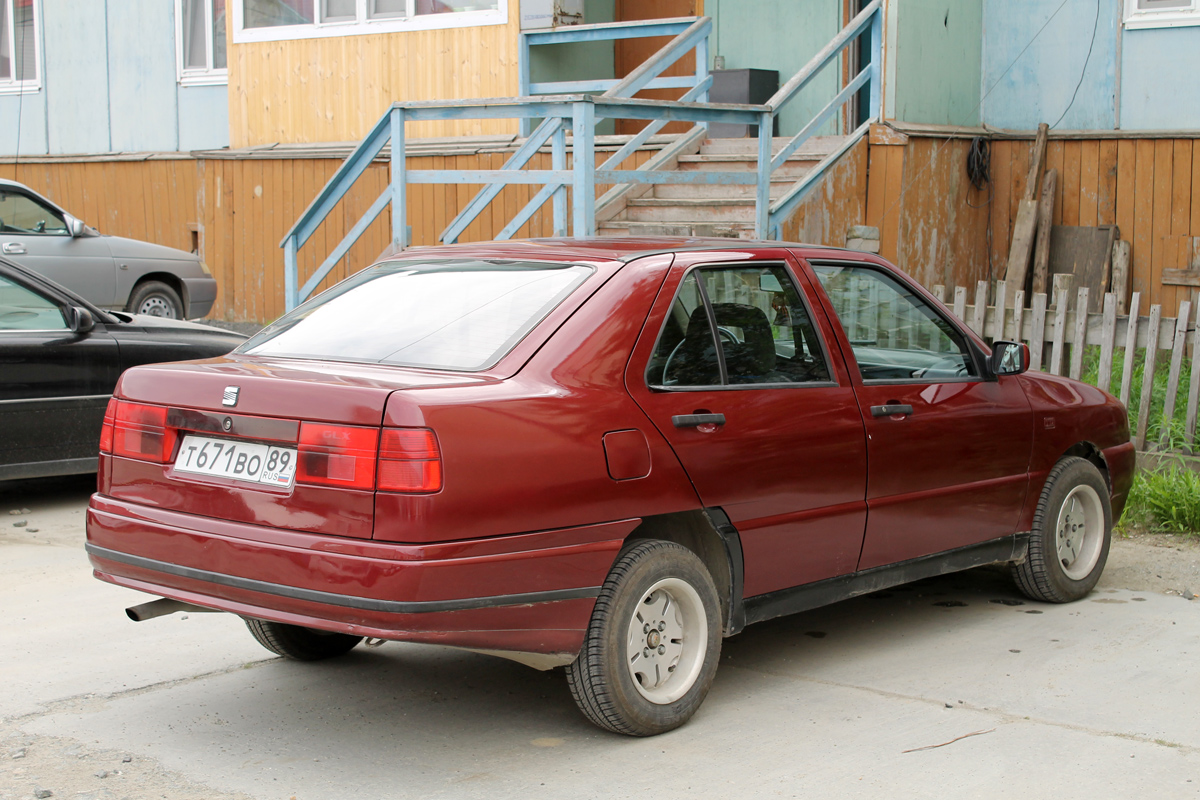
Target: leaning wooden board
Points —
{"points": [[1085, 253]]}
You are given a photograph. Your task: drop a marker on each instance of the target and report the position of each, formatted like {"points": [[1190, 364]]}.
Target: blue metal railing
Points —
{"points": [[581, 112]]}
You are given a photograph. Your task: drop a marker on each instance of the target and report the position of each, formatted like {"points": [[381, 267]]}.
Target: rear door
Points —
{"points": [[56, 383], [948, 449], [734, 370]]}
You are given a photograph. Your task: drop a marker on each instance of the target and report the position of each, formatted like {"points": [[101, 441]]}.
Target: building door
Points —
{"points": [[629, 53]]}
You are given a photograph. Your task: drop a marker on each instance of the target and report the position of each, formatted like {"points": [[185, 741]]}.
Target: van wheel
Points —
{"points": [[1072, 530], [156, 299], [300, 644], [653, 643]]}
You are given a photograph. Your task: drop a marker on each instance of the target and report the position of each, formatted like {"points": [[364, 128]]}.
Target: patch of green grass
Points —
{"points": [[1169, 436], [1165, 499]]}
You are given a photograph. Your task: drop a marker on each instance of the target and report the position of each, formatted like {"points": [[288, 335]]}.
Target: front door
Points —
{"points": [[759, 409], [948, 449], [36, 236]]}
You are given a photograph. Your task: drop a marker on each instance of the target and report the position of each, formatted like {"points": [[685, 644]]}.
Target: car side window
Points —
{"points": [[764, 332], [24, 310], [22, 214], [895, 334]]}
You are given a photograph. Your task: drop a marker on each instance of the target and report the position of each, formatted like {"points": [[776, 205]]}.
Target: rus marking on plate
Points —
{"points": [[230, 397]]}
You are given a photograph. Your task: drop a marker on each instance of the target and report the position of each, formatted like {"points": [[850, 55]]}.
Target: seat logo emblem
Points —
{"points": [[230, 397]]}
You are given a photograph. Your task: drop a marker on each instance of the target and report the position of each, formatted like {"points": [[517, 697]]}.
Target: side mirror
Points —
{"points": [[80, 319], [1009, 358], [75, 226]]}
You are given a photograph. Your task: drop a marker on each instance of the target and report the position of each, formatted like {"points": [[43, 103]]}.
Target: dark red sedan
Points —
{"points": [[602, 454]]}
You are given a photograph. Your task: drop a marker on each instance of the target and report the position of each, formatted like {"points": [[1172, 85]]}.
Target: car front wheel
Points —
{"points": [[1072, 530], [156, 299], [653, 643]]}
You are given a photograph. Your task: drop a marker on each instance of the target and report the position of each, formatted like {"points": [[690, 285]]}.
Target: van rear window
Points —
{"points": [[456, 315]]}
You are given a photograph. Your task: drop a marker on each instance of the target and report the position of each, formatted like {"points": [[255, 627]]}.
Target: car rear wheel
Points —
{"points": [[1072, 530], [653, 643], [300, 644], [156, 299]]}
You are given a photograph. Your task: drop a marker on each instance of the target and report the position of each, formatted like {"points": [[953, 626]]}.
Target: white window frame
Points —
{"points": [[1136, 18], [362, 24], [194, 76], [29, 85]]}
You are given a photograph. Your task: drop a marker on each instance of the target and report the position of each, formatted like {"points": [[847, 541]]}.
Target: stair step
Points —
{"points": [[822, 145], [789, 169], [684, 191], [708, 213], [695, 202], [725, 158], [631, 228]]}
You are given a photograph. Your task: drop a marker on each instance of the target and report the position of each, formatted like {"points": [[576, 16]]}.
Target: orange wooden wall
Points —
{"points": [[937, 227]]}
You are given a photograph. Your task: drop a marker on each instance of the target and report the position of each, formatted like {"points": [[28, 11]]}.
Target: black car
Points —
{"points": [[60, 357]]}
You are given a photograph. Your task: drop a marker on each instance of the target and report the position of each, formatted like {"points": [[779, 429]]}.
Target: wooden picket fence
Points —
{"points": [[1053, 326]]}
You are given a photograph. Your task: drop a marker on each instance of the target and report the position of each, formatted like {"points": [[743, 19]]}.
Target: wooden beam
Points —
{"points": [[1041, 253], [1035, 164], [1178, 277], [1121, 259]]}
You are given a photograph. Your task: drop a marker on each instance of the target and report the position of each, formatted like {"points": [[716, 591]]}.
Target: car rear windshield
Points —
{"points": [[456, 315]]}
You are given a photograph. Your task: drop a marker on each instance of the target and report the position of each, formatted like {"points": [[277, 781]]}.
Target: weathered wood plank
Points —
{"points": [[960, 302], [1181, 277], [1189, 425], [1121, 262], [977, 319], [1045, 217], [1024, 233], [1037, 336], [1108, 338], [1177, 350], [1131, 334], [1018, 315], [1081, 325], [1058, 340], [1147, 380], [998, 325]]}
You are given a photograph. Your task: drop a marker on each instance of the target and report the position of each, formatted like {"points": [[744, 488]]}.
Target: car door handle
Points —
{"points": [[695, 420], [14, 248], [890, 410]]}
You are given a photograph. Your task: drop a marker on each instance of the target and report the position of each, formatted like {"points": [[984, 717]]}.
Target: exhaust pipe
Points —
{"points": [[159, 608]]}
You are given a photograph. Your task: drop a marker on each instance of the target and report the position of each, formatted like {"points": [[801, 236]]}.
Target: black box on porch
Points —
{"points": [[754, 86]]}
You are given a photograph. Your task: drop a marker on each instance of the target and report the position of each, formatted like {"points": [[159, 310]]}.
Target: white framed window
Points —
{"points": [[200, 42], [18, 46], [1161, 13], [275, 20]]}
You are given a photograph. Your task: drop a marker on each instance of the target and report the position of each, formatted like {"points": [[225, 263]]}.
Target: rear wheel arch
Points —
{"points": [[709, 534]]}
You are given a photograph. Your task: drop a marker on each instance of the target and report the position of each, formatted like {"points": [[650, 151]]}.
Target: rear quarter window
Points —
{"points": [[455, 315]]}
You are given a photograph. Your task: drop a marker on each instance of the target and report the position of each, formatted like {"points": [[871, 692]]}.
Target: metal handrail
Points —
{"points": [[582, 112]]}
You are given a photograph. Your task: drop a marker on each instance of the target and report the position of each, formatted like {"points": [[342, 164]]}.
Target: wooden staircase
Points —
{"points": [[682, 209]]}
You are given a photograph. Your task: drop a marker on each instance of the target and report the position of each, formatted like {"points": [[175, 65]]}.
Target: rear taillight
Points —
{"points": [[106, 431], [409, 461], [140, 431], [337, 455]]}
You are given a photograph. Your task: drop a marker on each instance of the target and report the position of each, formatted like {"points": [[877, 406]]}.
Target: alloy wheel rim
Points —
{"points": [[1079, 532], [667, 641], [155, 306]]}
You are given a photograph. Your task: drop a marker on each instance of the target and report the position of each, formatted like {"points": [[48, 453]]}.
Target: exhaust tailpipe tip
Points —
{"points": [[160, 608]]}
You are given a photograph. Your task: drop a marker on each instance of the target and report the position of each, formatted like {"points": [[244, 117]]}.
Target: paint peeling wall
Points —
{"points": [[838, 203]]}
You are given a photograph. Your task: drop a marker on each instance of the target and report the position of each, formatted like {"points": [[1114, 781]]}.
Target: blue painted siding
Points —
{"points": [[203, 117], [938, 56], [1159, 87], [75, 82], [23, 124], [109, 83], [142, 75], [1024, 89]]}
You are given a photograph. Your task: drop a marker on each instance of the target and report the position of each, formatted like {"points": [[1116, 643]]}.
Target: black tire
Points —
{"points": [[1054, 574], [602, 676], [155, 299], [300, 644]]}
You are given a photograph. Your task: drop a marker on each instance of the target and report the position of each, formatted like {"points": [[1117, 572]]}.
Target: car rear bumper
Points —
{"points": [[199, 294], [530, 593], [1122, 463]]}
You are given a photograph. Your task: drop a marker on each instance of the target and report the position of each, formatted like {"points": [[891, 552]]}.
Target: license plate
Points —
{"points": [[242, 461]]}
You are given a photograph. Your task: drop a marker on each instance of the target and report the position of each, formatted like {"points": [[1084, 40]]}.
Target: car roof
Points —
{"points": [[600, 248]]}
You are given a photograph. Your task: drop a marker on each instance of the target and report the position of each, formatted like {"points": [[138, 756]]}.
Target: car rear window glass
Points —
{"points": [[456, 315]]}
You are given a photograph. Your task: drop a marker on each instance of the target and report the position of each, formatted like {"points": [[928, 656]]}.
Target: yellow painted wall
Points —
{"points": [[334, 89]]}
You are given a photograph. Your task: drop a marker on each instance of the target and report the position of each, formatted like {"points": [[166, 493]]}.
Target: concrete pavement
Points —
{"points": [[1091, 700]]}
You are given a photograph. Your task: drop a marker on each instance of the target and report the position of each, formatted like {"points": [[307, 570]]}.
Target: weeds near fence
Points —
{"points": [[1172, 438], [1166, 499]]}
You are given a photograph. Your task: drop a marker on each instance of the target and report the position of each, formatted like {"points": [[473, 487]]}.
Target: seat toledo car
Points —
{"points": [[605, 455]]}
